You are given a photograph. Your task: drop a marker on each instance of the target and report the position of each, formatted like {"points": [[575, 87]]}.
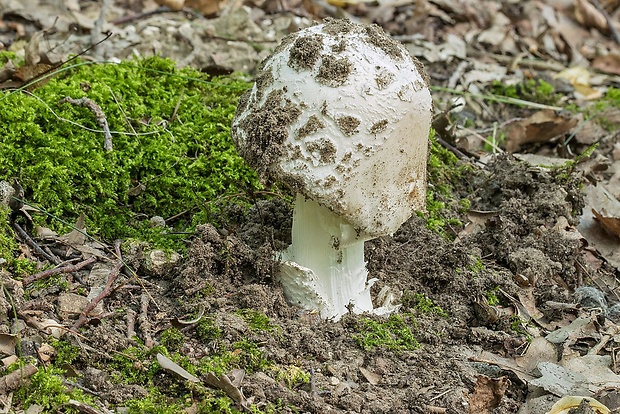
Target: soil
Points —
{"points": [[529, 211]]}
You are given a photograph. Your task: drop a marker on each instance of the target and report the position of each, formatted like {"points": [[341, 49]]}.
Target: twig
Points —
{"points": [[83, 408], [143, 320], [14, 379], [313, 391], [59, 270], [459, 154], [99, 115], [138, 16], [131, 323], [104, 293], [28, 240], [84, 127]]}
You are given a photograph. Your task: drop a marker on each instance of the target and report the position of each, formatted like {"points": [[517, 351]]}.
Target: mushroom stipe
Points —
{"points": [[341, 114]]}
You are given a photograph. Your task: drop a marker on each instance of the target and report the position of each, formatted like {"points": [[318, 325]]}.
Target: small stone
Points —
{"points": [[70, 305], [334, 381], [157, 221], [159, 262]]}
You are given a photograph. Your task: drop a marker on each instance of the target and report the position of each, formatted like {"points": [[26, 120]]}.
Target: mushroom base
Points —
{"points": [[324, 268]]}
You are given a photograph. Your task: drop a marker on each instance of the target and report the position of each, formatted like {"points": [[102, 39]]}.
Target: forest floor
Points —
{"points": [[509, 286]]}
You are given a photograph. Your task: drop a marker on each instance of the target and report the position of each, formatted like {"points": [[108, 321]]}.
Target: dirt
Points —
{"points": [[235, 264]]}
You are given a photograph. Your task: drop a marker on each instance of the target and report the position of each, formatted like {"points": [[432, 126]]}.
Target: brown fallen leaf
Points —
{"points": [[370, 376], [611, 224], [174, 5], [540, 127], [587, 15], [608, 63], [487, 394], [206, 7]]}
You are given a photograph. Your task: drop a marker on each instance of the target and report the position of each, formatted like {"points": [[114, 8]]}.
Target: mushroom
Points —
{"points": [[340, 113]]}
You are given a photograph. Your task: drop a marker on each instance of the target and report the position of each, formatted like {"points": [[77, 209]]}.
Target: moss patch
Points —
{"points": [[172, 157], [393, 333], [446, 174]]}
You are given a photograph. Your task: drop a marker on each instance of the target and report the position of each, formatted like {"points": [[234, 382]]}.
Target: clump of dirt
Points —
{"points": [[528, 232]]}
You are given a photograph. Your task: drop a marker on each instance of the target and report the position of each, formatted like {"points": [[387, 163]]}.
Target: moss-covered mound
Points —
{"points": [[172, 153]]}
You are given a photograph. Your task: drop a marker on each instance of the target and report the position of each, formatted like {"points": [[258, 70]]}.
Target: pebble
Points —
{"points": [[334, 381]]}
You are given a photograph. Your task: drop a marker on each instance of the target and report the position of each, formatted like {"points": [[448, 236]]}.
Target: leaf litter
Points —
{"points": [[531, 341]]}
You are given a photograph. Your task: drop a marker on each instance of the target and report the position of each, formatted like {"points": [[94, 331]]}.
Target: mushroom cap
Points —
{"points": [[340, 112]]}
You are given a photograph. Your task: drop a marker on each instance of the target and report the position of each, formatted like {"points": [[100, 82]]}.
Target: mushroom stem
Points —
{"points": [[324, 267]]}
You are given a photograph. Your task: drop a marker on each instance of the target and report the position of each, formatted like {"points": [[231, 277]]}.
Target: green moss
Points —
{"points": [[56, 283], [445, 177], [492, 298], [421, 303], [518, 326], [65, 352], [171, 339], [153, 403], [136, 365], [476, 266], [242, 354], [533, 90], [250, 356], [393, 334], [5, 56], [46, 389], [257, 321], [9, 249], [207, 331], [8, 245], [292, 376], [172, 156]]}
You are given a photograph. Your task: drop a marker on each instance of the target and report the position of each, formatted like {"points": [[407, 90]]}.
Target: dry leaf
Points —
{"points": [[7, 343], [579, 78], [587, 14], [370, 376], [171, 366], [77, 236], [540, 127], [206, 7], [608, 63], [174, 5], [487, 394], [611, 224], [567, 403]]}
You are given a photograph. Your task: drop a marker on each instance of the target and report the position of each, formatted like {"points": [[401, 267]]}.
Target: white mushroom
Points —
{"points": [[340, 113]]}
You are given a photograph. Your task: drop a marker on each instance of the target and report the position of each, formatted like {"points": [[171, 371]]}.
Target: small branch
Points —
{"points": [[106, 291], [14, 379], [28, 240], [313, 391], [59, 270], [131, 323], [99, 115], [143, 320]]}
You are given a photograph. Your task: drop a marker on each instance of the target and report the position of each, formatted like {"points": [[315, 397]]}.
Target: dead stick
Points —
{"points": [[28, 240], [59, 270], [99, 115], [104, 293], [131, 323], [14, 379], [143, 320]]}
